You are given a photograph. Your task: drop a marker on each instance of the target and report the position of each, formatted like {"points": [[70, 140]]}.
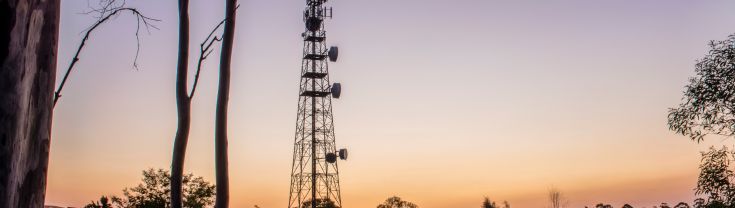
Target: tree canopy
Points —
{"points": [[397, 202], [154, 192], [487, 203], [715, 177], [708, 105], [320, 203]]}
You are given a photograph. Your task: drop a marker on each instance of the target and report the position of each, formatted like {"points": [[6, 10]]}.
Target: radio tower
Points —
{"points": [[314, 173]]}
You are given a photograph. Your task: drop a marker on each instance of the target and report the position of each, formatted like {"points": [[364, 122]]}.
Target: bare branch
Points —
{"points": [[107, 9], [205, 48]]}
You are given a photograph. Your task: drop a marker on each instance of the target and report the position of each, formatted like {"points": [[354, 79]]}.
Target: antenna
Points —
{"points": [[314, 173], [336, 90], [333, 52]]}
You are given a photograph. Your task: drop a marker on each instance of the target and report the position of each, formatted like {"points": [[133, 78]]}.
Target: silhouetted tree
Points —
{"points": [[155, 191], [715, 177], [223, 96], [183, 107], [699, 203], [627, 206], [708, 105], [396, 202], [664, 205], [682, 205], [320, 203], [487, 203], [29, 34], [556, 198], [717, 204], [104, 202], [601, 205], [183, 99], [506, 204]]}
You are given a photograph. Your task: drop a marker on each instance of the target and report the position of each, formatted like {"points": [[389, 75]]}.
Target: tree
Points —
{"points": [[556, 198], [506, 204], [104, 202], [664, 205], [708, 105], [396, 202], [487, 203], [715, 177], [627, 206], [601, 205], [223, 94], [183, 99], [320, 203], [699, 203], [183, 106], [28, 51], [682, 205], [155, 189]]}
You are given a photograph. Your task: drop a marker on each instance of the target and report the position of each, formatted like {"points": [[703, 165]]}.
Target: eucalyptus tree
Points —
{"points": [[29, 34], [223, 95], [708, 104]]}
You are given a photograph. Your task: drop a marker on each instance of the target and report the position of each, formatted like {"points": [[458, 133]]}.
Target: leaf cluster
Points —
{"points": [[397, 202], [716, 177], [708, 105], [155, 192], [320, 203]]}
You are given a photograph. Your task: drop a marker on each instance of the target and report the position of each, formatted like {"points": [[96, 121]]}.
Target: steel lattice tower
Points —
{"points": [[314, 173]]}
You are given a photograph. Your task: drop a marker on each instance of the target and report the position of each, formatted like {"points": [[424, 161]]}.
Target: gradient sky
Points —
{"points": [[444, 101]]}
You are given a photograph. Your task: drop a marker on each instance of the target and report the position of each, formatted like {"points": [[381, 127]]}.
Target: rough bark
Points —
{"points": [[183, 104], [223, 93], [28, 49]]}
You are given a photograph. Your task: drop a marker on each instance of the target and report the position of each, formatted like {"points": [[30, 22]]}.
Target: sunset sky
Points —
{"points": [[444, 102]]}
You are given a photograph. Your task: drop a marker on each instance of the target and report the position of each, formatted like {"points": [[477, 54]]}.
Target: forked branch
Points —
{"points": [[205, 48]]}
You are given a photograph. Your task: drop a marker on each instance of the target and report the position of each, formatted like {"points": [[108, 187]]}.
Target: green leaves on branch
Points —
{"points": [[716, 178], [708, 105], [155, 192]]}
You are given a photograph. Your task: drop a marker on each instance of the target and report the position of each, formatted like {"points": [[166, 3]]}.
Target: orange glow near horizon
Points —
{"points": [[443, 102]]}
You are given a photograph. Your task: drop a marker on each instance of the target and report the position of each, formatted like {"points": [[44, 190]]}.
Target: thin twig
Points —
{"points": [[108, 10]]}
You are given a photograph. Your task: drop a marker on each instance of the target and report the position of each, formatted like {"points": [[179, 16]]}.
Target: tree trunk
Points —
{"points": [[28, 46], [223, 94], [183, 104]]}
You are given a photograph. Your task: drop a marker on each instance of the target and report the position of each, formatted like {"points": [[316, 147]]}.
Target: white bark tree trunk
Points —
{"points": [[28, 49]]}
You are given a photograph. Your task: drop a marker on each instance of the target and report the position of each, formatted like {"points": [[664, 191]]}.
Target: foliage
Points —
{"points": [[601, 205], [709, 99], [104, 202], [154, 192], [699, 203], [627, 206], [715, 177], [682, 205], [488, 204], [397, 202], [320, 203]]}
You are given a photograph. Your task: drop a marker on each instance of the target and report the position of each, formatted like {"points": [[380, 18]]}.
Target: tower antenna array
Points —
{"points": [[314, 173]]}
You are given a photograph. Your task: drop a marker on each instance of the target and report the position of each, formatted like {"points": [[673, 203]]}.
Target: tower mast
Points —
{"points": [[314, 173]]}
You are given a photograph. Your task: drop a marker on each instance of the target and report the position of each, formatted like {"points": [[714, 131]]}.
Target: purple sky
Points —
{"points": [[444, 102]]}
